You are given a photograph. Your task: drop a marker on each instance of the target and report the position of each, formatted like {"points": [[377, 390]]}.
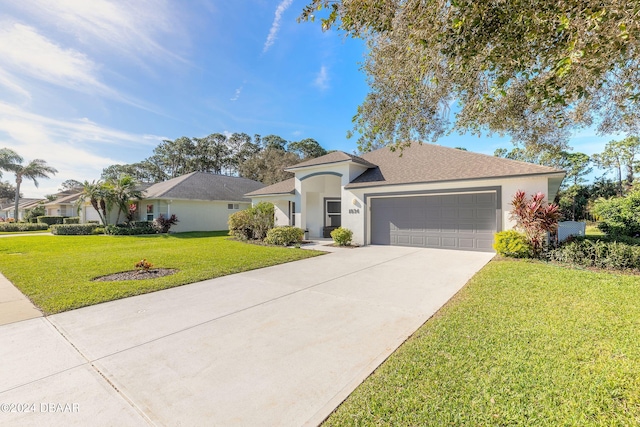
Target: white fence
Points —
{"points": [[570, 228]]}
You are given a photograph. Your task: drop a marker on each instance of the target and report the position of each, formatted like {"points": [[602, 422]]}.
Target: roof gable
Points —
{"points": [[203, 186], [333, 157], [288, 186]]}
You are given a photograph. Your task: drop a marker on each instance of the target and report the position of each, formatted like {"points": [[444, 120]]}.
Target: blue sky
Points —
{"points": [[87, 84]]}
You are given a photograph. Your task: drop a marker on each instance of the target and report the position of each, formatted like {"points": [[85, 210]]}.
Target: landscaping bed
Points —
{"points": [[57, 273], [524, 343]]}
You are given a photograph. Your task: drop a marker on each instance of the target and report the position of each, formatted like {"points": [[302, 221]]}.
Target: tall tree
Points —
{"points": [[97, 194], [7, 191], [268, 166], [8, 160], [120, 192], [532, 69], [307, 148], [275, 142], [70, 184], [211, 153], [619, 156], [32, 171]]}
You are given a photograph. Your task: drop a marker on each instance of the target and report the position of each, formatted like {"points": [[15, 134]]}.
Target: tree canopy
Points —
{"points": [[534, 70]]}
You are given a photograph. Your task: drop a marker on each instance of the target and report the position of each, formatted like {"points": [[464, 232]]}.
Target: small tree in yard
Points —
{"points": [[162, 224], [535, 218]]}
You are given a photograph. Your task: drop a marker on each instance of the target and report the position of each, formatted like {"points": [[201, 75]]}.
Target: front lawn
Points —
{"points": [[55, 272], [524, 343]]}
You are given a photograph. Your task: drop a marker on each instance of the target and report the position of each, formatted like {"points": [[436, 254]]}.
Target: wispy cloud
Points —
{"points": [[129, 28], [322, 79], [236, 95], [28, 54], [78, 148], [275, 26]]}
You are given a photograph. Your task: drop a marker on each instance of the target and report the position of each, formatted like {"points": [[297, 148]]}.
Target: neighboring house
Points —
{"points": [[201, 201], [431, 196], [65, 204], [23, 205]]}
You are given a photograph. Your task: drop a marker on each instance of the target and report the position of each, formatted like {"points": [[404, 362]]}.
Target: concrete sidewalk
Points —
{"points": [[14, 306], [280, 346]]}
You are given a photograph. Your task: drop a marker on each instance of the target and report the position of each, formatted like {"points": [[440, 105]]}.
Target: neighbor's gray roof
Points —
{"points": [[23, 204], [283, 187], [203, 186], [65, 199], [433, 163], [333, 157]]}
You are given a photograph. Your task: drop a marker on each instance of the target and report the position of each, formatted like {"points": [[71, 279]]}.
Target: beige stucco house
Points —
{"points": [[425, 196]]}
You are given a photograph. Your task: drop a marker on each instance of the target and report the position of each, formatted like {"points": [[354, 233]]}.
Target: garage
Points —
{"points": [[447, 221]]}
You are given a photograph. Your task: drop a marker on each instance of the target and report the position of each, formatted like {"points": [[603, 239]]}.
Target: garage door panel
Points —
{"points": [[457, 221]]}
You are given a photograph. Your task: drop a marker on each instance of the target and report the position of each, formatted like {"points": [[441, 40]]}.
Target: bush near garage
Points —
{"points": [[71, 220], [50, 220], [22, 226], [284, 236], [73, 229], [342, 236], [597, 253], [513, 244], [252, 223]]}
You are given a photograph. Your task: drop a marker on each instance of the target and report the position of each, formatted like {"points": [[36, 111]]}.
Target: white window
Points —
{"points": [[234, 206], [149, 212]]}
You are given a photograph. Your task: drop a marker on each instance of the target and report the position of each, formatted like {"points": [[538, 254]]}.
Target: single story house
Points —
{"points": [[65, 204], [24, 204], [425, 196], [201, 201]]}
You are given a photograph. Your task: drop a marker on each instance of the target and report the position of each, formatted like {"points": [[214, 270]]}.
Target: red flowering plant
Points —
{"points": [[535, 217], [143, 265], [133, 208]]}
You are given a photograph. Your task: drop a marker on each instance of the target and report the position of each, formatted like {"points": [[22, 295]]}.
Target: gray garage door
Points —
{"points": [[452, 221]]}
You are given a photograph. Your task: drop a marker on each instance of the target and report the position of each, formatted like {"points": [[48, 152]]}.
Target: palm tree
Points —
{"points": [[8, 160], [35, 169], [123, 190], [97, 194]]}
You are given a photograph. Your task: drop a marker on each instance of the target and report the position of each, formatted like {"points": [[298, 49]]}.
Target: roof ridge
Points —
{"points": [[178, 180]]}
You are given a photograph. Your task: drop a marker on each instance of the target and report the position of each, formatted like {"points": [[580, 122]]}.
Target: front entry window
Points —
{"points": [[333, 213], [149, 212]]}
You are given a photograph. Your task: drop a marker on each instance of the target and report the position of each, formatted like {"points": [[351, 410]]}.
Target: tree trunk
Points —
{"points": [[17, 198], [620, 180]]}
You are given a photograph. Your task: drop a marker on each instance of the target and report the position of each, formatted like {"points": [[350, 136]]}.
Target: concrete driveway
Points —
{"points": [[280, 346]]}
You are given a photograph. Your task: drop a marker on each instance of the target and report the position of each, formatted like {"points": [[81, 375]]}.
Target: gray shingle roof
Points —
{"points": [[283, 187], [333, 157], [203, 186], [433, 163]]}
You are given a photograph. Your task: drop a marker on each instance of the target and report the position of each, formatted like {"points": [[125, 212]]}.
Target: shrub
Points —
{"points": [[98, 230], [619, 216], [342, 236], [535, 217], [50, 220], [511, 243], [71, 220], [143, 265], [252, 223], [597, 253], [284, 236], [73, 229], [162, 224], [126, 230], [22, 226]]}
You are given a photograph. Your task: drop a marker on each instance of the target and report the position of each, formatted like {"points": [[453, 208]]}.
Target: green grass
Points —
{"points": [[26, 232], [593, 230], [55, 272], [524, 343]]}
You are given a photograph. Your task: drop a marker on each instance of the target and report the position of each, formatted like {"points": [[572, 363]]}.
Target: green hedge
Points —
{"points": [[597, 253], [50, 220], [73, 229], [72, 220], [284, 236], [141, 227], [252, 223], [21, 226]]}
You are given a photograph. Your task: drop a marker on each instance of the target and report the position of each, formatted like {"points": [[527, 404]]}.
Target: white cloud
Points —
{"points": [[27, 53], [130, 28], [275, 26], [322, 79], [236, 94], [79, 148]]}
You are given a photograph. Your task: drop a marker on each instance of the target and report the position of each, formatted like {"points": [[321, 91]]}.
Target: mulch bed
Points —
{"points": [[153, 273]]}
